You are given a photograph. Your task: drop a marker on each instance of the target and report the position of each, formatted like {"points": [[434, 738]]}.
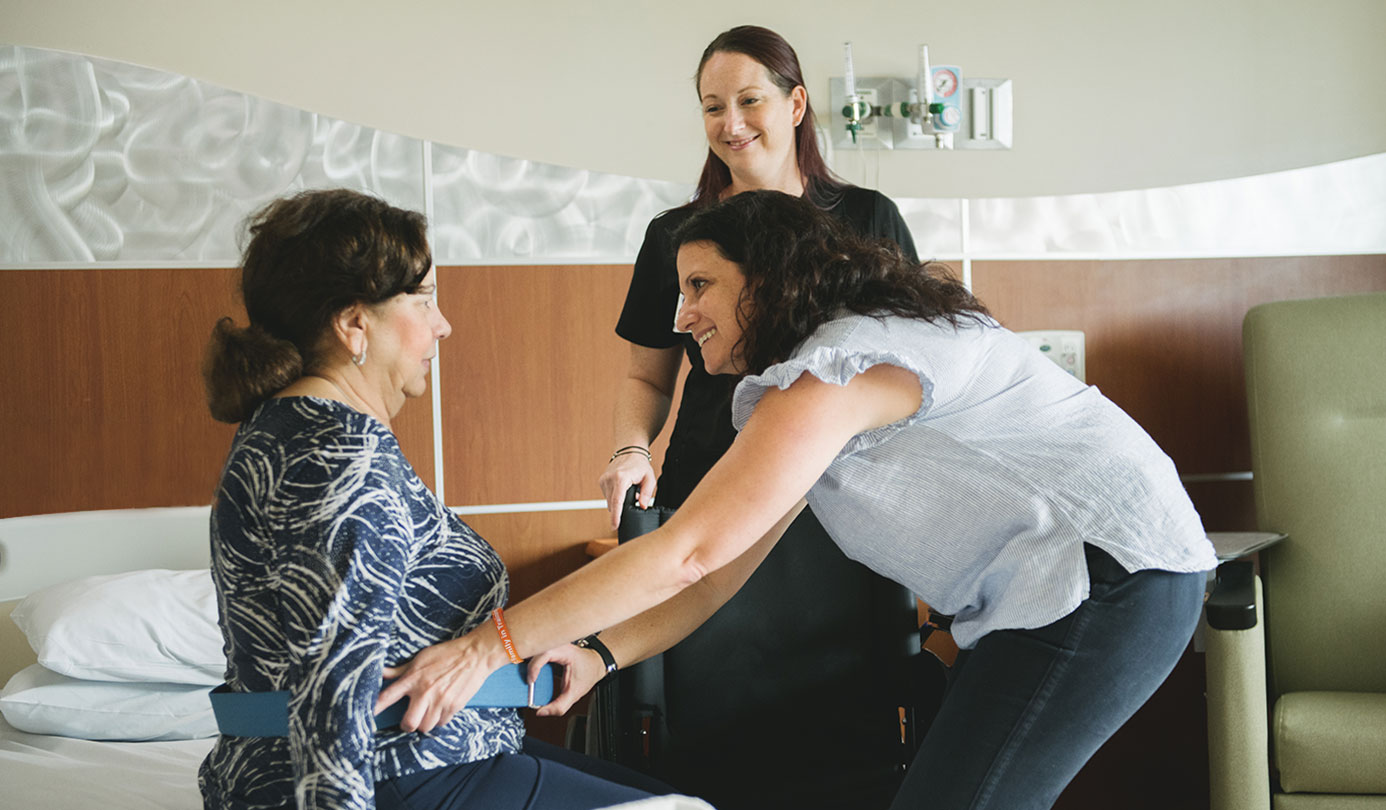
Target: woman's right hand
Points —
{"points": [[441, 678], [624, 472], [581, 669]]}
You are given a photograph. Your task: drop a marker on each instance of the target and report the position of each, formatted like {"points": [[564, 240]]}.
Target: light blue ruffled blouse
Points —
{"points": [[981, 501]]}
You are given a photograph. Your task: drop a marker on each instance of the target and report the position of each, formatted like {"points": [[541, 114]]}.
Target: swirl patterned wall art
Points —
{"points": [[108, 163]]}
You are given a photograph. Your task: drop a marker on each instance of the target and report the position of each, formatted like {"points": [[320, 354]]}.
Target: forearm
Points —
{"points": [[440, 679], [742, 499], [642, 408], [646, 393], [623, 583], [790, 439], [641, 411], [669, 622]]}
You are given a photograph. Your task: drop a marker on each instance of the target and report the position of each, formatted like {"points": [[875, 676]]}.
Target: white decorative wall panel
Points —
{"points": [[936, 226], [1329, 209], [105, 162], [495, 209]]}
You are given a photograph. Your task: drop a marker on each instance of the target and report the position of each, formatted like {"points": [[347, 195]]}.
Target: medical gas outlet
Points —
{"points": [[940, 109]]}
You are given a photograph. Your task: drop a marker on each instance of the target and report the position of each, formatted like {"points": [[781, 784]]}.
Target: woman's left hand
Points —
{"points": [[438, 682], [581, 670]]}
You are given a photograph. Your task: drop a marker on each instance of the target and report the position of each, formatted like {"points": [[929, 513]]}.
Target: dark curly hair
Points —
{"points": [[309, 257], [803, 268]]}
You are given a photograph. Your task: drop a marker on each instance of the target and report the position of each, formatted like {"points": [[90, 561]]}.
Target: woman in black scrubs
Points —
{"points": [[760, 134], [799, 611]]}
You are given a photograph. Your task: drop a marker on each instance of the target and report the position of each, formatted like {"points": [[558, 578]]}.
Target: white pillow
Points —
{"points": [[154, 625], [42, 702]]}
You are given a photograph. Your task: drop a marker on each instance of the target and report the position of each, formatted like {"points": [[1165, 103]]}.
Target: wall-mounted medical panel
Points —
{"points": [[988, 120], [974, 114], [876, 131]]}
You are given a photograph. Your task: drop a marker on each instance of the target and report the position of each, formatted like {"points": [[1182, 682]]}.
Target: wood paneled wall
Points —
{"points": [[529, 379], [1164, 341], [103, 406]]}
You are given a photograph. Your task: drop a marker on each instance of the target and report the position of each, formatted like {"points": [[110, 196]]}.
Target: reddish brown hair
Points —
{"points": [[782, 64]]}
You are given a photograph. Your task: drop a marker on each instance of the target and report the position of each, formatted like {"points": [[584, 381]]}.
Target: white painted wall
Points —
{"points": [[1110, 94]]}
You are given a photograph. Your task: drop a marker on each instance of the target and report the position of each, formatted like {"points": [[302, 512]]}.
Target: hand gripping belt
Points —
{"points": [[266, 714]]}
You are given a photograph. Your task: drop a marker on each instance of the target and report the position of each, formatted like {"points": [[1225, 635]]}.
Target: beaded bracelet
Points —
{"points": [[499, 618]]}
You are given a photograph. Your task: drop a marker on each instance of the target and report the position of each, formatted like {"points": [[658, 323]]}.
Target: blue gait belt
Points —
{"points": [[266, 714]]}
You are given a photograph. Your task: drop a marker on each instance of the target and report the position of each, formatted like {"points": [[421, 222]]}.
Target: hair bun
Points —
{"points": [[244, 366]]}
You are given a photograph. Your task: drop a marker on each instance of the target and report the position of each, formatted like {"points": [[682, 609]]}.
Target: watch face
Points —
{"points": [[945, 82]]}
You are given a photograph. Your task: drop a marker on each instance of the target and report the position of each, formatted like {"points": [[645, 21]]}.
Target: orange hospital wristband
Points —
{"points": [[499, 618]]}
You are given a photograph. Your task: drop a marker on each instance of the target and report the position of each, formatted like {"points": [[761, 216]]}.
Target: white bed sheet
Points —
{"points": [[60, 773]]}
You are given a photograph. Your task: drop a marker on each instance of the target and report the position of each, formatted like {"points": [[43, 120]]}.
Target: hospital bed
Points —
{"points": [[125, 621]]}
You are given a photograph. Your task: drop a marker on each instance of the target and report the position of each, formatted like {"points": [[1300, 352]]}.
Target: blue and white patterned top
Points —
{"points": [[331, 561], [980, 502]]}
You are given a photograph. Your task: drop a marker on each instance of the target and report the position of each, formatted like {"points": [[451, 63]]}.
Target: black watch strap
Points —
{"points": [[595, 645]]}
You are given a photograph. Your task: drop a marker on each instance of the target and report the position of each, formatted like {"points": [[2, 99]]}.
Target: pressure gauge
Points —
{"points": [[945, 82]]}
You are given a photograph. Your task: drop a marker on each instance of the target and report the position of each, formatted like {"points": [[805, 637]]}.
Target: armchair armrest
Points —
{"points": [[1232, 604], [1238, 725]]}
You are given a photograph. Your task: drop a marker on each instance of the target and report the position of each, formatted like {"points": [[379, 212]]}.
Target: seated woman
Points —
{"points": [[332, 560], [937, 448]]}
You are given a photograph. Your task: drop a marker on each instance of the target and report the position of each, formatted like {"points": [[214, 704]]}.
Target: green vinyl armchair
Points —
{"points": [[1297, 671]]}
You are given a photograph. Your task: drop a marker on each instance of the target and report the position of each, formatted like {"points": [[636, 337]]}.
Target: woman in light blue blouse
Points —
{"points": [[935, 447], [332, 560]]}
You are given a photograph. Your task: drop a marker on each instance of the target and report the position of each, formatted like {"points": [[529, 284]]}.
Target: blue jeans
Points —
{"points": [[1027, 708], [540, 777]]}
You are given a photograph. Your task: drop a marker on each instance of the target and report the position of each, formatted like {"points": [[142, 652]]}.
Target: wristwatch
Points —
{"points": [[595, 645]]}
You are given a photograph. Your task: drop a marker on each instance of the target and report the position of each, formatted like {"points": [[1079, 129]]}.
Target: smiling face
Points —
{"points": [[405, 339], [713, 303], [750, 122]]}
